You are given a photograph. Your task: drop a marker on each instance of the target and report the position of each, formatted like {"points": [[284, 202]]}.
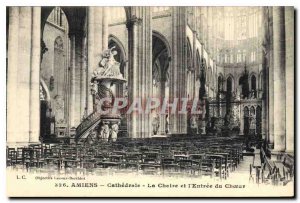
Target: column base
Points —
{"points": [[275, 154]]}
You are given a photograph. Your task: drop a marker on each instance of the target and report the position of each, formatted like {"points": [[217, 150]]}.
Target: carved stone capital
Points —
{"points": [[133, 21]]}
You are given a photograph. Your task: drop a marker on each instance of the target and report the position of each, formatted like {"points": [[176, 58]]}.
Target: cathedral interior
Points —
{"points": [[237, 61]]}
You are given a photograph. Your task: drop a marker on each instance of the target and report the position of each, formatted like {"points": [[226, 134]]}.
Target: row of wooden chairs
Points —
{"points": [[174, 157], [275, 172]]}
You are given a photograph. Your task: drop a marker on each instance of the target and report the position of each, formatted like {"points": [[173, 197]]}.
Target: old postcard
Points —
{"points": [[150, 101]]}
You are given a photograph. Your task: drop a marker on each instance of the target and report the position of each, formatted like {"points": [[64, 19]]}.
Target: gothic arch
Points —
{"points": [[250, 77], [220, 82], [232, 82], [252, 110], [189, 54], [164, 39], [75, 17]]}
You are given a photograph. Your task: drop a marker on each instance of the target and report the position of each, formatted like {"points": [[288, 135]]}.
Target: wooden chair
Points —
{"points": [[11, 159], [37, 157], [207, 167]]}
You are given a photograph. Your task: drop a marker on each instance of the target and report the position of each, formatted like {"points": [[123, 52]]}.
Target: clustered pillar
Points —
{"points": [[279, 79], [23, 109], [140, 68], [289, 77], [280, 61], [97, 39], [178, 72]]}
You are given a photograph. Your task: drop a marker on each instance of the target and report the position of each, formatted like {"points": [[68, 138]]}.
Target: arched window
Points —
{"points": [[229, 85], [189, 54], [252, 111], [220, 83], [58, 17], [191, 74], [253, 86], [253, 82]]}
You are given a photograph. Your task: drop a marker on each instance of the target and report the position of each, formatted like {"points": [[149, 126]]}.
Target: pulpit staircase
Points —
{"points": [[88, 124]]}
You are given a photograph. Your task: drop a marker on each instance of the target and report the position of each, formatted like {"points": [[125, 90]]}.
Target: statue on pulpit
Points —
{"points": [[108, 66], [104, 132], [114, 132]]}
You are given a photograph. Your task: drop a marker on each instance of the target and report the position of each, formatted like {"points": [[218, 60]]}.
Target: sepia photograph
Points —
{"points": [[150, 101]]}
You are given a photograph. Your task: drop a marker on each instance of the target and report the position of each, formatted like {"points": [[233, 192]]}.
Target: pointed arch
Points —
{"points": [[189, 54], [220, 82], [231, 77], [164, 39]]}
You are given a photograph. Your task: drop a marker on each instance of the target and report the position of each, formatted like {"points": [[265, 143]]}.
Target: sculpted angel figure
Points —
{"points": [[108, 66]]}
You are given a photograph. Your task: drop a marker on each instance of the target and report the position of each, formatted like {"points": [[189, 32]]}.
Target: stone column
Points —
{"points": [[98, 35], [23, 76], [271, 82], [279, 79], [90, 67], [78, 109], [105, 28], [72, 80], [140, 68], [23, 72], [12, 76], [34, 124], [264, 71], [132, 75], [83, 82], [178, 70], [289, 37]]}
